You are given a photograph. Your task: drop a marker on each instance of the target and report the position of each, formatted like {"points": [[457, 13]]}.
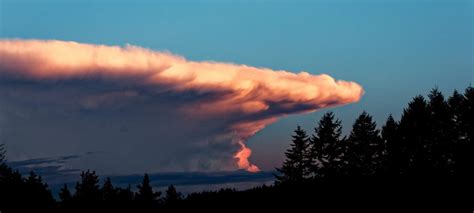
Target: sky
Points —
{"points": [[393, 49]]}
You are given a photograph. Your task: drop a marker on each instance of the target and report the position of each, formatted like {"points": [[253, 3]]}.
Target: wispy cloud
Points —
{"points": [[51, 169]]}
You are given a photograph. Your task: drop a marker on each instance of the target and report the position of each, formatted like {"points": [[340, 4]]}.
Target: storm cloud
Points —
{"points": [[146, 110]]}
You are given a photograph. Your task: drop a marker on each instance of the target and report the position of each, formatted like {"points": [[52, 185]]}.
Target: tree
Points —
{"points": [[37, 193], [12, 188], [468, 115], [441, 134], [465, 118], [391, 140], [87, 190], [145, 191], [109, 193], [294, 168], [66, 199], [172, 196], [365, 147], [64, 194], [456, 108], [415, 131], [125, 195], [326, 147]]}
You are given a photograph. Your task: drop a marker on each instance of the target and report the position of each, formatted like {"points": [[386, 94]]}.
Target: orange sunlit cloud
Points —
{"points": [[242, 158], [255, 97]]}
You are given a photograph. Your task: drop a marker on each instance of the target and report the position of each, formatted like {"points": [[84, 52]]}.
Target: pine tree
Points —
{"points": [[37, 193], [12, 188], [65, 198], [294, 168], [145, 192], [391, 140], [456, 109], [414, 131], [468, 115], [326, 147], [108, 190], [466, 144], [172, 196], [441, 133], [65, 194], [87, 190], [365, 149], [125, 194]]}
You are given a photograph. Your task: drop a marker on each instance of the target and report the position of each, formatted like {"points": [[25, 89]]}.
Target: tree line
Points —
{"points": [[434, 137], [425, 155], [88, 194]]}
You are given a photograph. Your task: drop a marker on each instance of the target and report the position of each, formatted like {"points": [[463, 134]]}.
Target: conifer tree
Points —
{"points": [[326, 147], [64, 194], [66, 199], [414, 131], [108, 190], [145, 192], [172, 195], [294, 168], [391, 140], [37, 193], [466, 145], [441, 134], [365, 147], [87, 189], [125, 194]]}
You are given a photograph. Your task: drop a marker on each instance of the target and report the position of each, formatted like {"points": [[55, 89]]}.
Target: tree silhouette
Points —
{"points": [[464, 156], [172, 196], [441, 133], [456, 107], [146, 195], [87, 189], [327, 147], [125, 194], [12, 189], [415, 134], [294, 168], [468, 115], [391, 140], [366, 150], [64, 194], [38, 193], [66, 198], [108, 191]]}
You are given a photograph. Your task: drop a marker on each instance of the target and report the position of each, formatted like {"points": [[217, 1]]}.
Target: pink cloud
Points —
{"points": [[255, 97]]}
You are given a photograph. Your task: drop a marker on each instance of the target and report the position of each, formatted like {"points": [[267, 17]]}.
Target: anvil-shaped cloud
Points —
{"points": [[219, 104]]}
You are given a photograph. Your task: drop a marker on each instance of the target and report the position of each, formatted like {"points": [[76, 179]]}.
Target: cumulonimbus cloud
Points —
{"points": [[248, 98]]}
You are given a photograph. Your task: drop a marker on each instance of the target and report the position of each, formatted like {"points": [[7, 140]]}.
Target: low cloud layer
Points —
{"points": [[131, 101]]}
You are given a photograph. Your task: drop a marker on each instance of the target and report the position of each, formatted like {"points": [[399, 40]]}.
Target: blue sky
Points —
{"points": [[395, 49]]}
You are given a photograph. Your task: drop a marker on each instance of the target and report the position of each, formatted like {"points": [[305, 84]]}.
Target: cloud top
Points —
{"points": [[247, 98]]}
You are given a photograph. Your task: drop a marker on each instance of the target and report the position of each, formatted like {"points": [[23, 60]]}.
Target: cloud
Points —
{"points": [[50, 169], [54, 172], [217, 106]]}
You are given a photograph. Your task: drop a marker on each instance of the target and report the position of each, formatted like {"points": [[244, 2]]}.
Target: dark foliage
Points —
{"points": [[326, 148], [364, 148], [294, 168]]}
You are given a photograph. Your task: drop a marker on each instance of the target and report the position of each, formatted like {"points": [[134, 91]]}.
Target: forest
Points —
{"points": [[424, 159]]}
